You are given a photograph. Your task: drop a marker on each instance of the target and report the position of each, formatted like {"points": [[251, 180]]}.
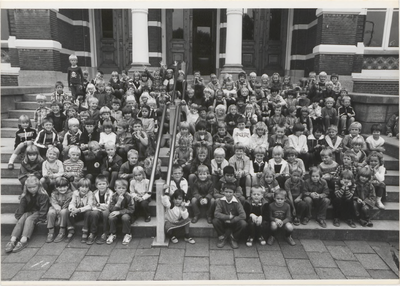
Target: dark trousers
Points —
{"points": [[257, 230], [144, 205], [78, 217], [301, 209], [112, 177], [221, 227], [126, 223], [95, 216], [342, 208], [320, 204], [196, 206], [361, 211], [287, 228]]}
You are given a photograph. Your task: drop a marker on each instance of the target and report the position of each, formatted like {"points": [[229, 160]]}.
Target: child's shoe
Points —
{"points": [[262, 240], [111, 238], [84, 237], [379, 204], [10, 166], [20, 245], [50, 237], [321, 223], [234, 242], [351, 223], [296, 221], [190, 240], [271, 240], [290, 240], [10, 246], [91, 239], [147, 219], [69, 237], [174, 240], [60, 237], [336, 222], [221, 241], [305, 220], [249, 242], [369, 223], [102, 239], [195, 219], [363, 222], [127, 239]]}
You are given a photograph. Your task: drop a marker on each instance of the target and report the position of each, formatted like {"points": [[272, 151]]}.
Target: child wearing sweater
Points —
{"points": [[140, 193], [343, 199]]}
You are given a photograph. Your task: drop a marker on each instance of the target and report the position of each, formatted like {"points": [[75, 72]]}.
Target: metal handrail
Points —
{"points": [[172, 146], [157, 153]]}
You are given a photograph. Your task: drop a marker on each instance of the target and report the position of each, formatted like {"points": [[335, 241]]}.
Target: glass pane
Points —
{"points": [[275, 24], [177, 24], [107, 23], [373, 31], [394, 30], [4, 25], [248, 24]]}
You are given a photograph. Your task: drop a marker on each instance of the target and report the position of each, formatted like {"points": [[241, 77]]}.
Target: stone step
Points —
{"points": [[383, 230], [391, 146], [9, 203], [9, 123], [17, 113], [8, 133], [32, 97], [26, 105]]}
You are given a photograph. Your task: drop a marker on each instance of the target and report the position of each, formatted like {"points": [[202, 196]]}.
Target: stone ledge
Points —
{"points": [[368, 98], [20, 90]]}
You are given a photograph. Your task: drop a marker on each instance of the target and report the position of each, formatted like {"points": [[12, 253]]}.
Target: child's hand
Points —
{"points": [[231, 215], [123, 176], [114, 213], [279, 222], [297, 200], [360, 201], [203, 201]]}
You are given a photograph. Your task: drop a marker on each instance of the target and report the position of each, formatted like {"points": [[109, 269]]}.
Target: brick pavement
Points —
{"points": [[309, 259]]}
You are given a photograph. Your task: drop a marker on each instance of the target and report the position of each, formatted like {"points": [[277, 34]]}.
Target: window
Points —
{"points": [[177, 24], [382, 28], [5, 32], [248, 24], [275, 24], [107, 23]]}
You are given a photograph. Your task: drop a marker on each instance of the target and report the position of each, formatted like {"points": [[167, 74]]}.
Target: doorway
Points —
{"points": [[204, 34]]}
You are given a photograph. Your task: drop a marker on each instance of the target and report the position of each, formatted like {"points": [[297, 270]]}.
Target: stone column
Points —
{"points": [[140, 40], [233, 54]]}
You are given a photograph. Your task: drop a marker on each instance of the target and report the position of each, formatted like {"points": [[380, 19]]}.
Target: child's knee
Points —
{"points": [[288, 227], [273, 225]]}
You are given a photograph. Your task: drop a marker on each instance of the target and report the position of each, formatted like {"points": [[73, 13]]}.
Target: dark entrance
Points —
{"points": [[204, 29]]}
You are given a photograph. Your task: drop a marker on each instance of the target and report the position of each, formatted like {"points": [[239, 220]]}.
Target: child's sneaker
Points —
{"points": [[305, 221], [271, 240], [69, 237], [336, 222], [10, 246], [351, 223], [234, 242], [249, 242], [174, 240], [363, 222], [262, 240], [102, 239], [91, 239], [290, 240], [19, 246], [221, 241], [296, 221], [369, 223], [127, 239], [190, 240], [111, 238], [84, 238], [50, 238], [60, 237]]}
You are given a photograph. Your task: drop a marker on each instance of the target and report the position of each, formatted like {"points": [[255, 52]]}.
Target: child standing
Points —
{"points": [[140, 193], [41, 112], [32, 209], [202, 190], [176, 216], [257, 215], [343, 199], [75, 77], [364, 197], [23, 137], [229, 214], [58, 214], [280, 217], [59, 94], [121, 207]]}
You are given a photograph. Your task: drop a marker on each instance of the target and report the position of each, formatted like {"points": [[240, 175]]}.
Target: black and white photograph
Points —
{"points": [[206, 143]]}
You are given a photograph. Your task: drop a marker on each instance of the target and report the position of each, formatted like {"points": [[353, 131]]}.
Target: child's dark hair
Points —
{"points": [[280, 192], [375, 154], [201, 125], [145, 107], [59, 83], [315, 170], [116, 101], [108, 125], [228, 170], [61, 182], [241, 120], [138, 122], [89, 122], [101, 178], [177, 194], [229, 186], [121, 182], [376, 127], [347, 174], [176, 166], [298, 127], [364, 172], [124, 125], [274, 89], [126, 110]]}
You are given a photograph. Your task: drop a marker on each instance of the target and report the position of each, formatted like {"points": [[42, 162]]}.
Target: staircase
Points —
{"points": [[386, 223]]}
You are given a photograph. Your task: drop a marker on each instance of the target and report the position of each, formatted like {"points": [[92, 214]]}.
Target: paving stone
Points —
{"points": [[60, 271], [72, 255], [372, 261], [144, 263], [225, 272], [214, 241], [148, 251], [26, 275], [197, 250], [114, 272], [121, 256], [378, 244], [38, 263], [92, 263], [341, 253], [321, 259], [21, 257], [305, 277], [196, 264], [101, 249], [386, 255], [196, 276], [85, 276], [52, 248], [141, 275], [300, 267], [37, 241], [76, 243], [145, 242], [169, 272], [272, 258], [276, 272], [334, 243], [9, 270], [244, 251], [329, 273], [168, 255], [359, 246], [248, 265], [382, 274], [199, 241], [274, 247], [352, 269], [296, 251], [132, 245], [313, 245], [180, 245], [250, 276], [221, 257]]}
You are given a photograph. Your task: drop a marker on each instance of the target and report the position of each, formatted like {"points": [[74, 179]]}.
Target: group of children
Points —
{"points": [[257, 156]]}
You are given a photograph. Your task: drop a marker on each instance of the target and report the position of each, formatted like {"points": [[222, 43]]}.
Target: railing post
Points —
{"points": [[160, 239]]}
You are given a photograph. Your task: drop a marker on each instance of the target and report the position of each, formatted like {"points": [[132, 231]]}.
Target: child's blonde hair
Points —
{"points": [[93, 144], [139, 170], [357, 141], [259, 150], [53, 149], [84, 182], [354, 125], [73, 122], [277, 150], [219, 152], [121, 183], [74, 149], [260, 125], [109, 144], [105, 109], [202, 169], [93, 99], [72, 57], [132, 152]]}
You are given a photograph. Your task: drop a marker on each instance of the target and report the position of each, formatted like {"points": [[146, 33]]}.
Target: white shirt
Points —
{"points": [[375, 143], [298, 143]]}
